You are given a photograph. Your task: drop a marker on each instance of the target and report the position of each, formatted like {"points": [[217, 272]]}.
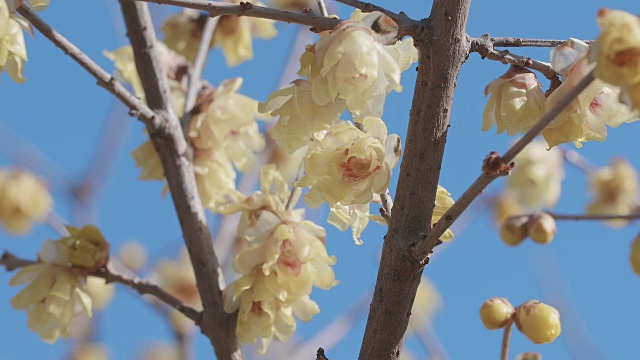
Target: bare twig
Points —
{"points": [[424, 247], [323, 8], [407, 26], [578, 161], [142, 286], [169, 142], [136, 106], [506, 337], [521, 42], [195, 74], [556, 216], [484, 47]]}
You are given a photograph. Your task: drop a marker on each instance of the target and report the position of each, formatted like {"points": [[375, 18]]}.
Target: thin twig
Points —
{"points": [[387, 205], [578, 161], [195, 75], [142, 286], [136, 106], [522, 42], [556, 216], [484, 47], [323, 8], [424, 247], [506, 337], [407, 26]]}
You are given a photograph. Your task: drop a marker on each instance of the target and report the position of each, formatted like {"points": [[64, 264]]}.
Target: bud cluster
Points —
{"points": [[541, 227]]}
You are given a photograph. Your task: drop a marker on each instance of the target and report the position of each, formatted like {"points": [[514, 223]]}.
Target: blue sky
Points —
{"points": [[61, 111]]}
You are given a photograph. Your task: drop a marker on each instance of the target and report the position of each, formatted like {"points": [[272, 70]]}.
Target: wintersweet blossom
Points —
{"points": [[234, 35], [615, 190], [352, 62], [183, 32], [55, 293], [443, 202], [24, 199], [348, 166], [587, 117], [87, 246], [617, 52], [536, 180], [356, 216], [299, 116], [516, 102], [13, 50]]}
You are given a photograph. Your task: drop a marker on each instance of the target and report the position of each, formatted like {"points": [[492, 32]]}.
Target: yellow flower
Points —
{"points": [[87, 247], [13, 51], [356, 216], [617, 51], [299, 116], [426, 304], [615, 190], [352, 63], [148, 161], [516, 102], [215, 177], [586, 118], [496, 313], [538, 321], [55, 293], [234, 35], [536, 180], [24, 199], [348, 166], [183, 32], [443, 203], [101, 293]]}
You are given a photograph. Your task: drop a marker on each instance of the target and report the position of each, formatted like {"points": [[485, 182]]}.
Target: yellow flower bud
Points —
{"points": [[496, 313], [634, 258], [133, 255], [514, 230], [542, 228], [24, 199], [87, 247], [537, 321]]}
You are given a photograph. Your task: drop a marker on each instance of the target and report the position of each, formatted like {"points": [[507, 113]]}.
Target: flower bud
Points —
{"points": [[537, 321], [634, 258], [541, 228], [514, 230], [496, 313], [87, 247], [133, 255]]}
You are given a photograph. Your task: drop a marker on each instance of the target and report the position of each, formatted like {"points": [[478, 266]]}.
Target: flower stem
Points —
{"points": [[506, 337]]}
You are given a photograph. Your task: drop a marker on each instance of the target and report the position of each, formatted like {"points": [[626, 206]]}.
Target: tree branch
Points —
{"points": [[142, 286], [484, 46], [407, 26], [424, 247], [443, 46], [169, 142], [634, 216], [521, 42]]}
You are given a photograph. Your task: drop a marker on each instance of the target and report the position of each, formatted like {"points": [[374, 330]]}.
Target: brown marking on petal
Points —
{"points": [[356, 169], [289, 258], [628, 57], [256, 308], [595, 106], [228, 24]]}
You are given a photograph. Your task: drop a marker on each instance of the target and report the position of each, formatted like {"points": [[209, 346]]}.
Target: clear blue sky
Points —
{"points": [[62, 111]]}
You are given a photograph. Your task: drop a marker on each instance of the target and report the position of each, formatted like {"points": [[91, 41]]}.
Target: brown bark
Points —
{"points": [[443, 46]]}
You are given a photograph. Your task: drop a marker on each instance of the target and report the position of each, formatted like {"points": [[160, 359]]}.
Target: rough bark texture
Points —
{"points": [[443, 46], [173, 149]]}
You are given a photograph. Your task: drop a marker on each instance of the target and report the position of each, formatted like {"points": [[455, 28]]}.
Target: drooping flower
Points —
{"points": [[615, 190], [516, 102], [356, 216], [55, 293], [536, 180], [348, 166], [351, 62], [13, 50], [617, 52], [24, 199], [299, 116], [587, 117]]}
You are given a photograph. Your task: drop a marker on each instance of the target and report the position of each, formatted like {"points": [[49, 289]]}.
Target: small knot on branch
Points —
{"points": [[245, 6], [494, 166], [320, 355]]}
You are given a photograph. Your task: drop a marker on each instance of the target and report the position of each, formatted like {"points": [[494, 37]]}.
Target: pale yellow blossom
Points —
{"points": [[443, 202], [13, 50], [183, 32], [234, 35], [615, 190], [55, 293], [101, 292], [348, 166], [617, 52], [516, 102], [24, 199], [356, 216], [148, 161], [87, 246], [299, 116], [536, 180], [215, 177], [587, 117]]}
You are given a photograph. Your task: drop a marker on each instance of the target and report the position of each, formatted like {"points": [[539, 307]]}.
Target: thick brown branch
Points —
{"points": [[443, 46], [424, 247], [142, 286], [136, 106], [484, 47], [521, 42], [214, 8], [169, 142]]}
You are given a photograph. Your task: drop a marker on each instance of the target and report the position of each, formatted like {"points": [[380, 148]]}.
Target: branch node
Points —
{"points": [[493, 165]]}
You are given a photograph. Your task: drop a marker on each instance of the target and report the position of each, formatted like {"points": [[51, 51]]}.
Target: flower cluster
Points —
{"points": [[615, 190], [13, 50], [24, 199], [537, 321], [541, 227], [517, 101], [285, 256], [183, 33], [57, 282]]}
